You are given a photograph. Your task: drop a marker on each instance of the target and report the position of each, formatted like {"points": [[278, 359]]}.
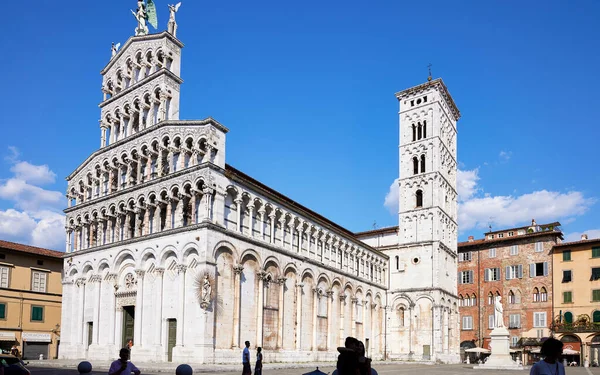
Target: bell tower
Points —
{"points": [[424, 266]]}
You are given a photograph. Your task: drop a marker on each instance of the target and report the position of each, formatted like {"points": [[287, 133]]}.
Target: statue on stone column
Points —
{"points": [[141, 16], [172, 25], [498, 310]]}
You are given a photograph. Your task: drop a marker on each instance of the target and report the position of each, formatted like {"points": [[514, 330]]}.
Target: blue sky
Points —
{"points": [[307, 91]]}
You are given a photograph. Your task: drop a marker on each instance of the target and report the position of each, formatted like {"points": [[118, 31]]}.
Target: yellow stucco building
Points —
{"points": [[576, 286], [30, 299]]}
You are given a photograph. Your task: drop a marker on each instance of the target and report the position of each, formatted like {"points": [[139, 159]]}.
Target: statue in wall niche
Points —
{"points": [[206, 289], [498, 310]]}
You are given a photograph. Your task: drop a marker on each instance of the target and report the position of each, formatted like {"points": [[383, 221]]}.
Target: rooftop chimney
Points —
{"points": [[471, 238], [584, 237]]}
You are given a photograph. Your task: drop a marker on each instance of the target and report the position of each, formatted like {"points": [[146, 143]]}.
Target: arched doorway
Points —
{"points": [[571, 348], [469, 344], [595, 350]]}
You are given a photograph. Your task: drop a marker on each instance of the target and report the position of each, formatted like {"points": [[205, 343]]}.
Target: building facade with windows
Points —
{"points": [[515, 264], [30, 299], [576, 284]]}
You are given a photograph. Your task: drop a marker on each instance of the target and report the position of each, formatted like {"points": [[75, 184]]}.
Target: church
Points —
{"points": [[169, 246]]}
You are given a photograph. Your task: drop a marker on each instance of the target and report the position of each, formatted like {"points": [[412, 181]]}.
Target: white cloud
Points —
{"points": [[36, 217], [505, 155], [392, 198], [477, 208], [466, 183], [576, 236], [508, 210], [34, 174]]}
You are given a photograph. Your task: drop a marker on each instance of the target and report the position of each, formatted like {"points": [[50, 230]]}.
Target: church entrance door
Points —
{"points": [[128, 322], [172, 338]]}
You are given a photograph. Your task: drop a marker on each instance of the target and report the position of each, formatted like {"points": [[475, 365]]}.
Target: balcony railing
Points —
{"points": [[576, 327]]}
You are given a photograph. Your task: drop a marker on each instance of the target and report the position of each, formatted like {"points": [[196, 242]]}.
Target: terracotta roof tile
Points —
{"points": [[30, 249], [506, 239], [574, 243]]}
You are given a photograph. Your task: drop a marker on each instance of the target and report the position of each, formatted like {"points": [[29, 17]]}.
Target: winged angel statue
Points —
{"points": [[172, 26], [115, 49], [141, 15]]}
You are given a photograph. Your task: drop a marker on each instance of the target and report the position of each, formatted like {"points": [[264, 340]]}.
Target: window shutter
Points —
{"points": [[536, 319], [518, 297], [42, 282], [545, 268], [460, 281], [487, 274], [532, 270], [470, 281], [498, 274], [507, 274], [491, 321], [518, 320], [520, 271], [543, 319]]}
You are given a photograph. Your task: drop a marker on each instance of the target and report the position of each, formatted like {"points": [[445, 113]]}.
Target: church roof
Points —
{"points": [[232, 173]]}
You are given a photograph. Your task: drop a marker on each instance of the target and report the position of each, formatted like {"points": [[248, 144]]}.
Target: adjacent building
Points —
{"points": [[30, 299], [515, 264], [576, 285]]}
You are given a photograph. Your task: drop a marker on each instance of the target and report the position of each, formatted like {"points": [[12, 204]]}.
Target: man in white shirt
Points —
{"points": [[246, 360]]}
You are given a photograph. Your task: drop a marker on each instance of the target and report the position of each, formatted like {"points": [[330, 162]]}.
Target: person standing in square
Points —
{"points": [[259, 360], [246, 360]]}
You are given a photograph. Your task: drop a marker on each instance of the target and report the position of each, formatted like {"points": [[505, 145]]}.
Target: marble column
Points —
{"points": [[237, 272], [299, 287], [193, 202], [315, 312], [272, 217], [329, 320], [181, 270], [158, 298], [342, 298], [260, 307], [281, 283], [111, 281], [118, 331], [68, 241], [102, 135], [300, 234], [97, 280], [261, 213], [139, 303], [353, 316], [81, 309], [238, 203], [251, 220]]}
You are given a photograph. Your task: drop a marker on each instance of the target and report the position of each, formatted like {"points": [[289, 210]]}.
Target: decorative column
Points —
{"points": [[272, 217], [170, 161], [282, 224], [299, 287], [410, 328], [237, 272], [261, 303], [68, 240], [96, 279], [238, 203], [342, 298], [81, 309], [300, 230], [193, 203], [281, 283], [181, 270], [150, 116], [162, 107], [158, 298], [139, 303], [261, 213], [329, 319], [208, 192], [291, 226], [169, 215], [353, 316], [316, 297], [102, 134], [251, 211]]}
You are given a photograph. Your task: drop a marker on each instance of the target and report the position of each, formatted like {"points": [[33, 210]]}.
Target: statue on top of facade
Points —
{"points": [[172, 25], [115, 49], [498, 310], [141, 16]]}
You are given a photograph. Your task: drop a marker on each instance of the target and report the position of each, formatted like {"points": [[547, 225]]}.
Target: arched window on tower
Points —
{"points": [[415, 165], [490, 298], [424, 129], [422, 163], [543, 295], [473, 300], [414, 132], [419, 198], [420, 131], [536, 295], [401, 316], [511, 298], [460, 300]]}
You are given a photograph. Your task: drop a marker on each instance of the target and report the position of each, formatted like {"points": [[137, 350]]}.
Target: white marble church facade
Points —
{"points": [[169, 246]]}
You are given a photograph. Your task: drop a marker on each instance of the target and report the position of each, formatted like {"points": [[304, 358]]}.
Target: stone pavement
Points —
{"points": [[61, 367]]}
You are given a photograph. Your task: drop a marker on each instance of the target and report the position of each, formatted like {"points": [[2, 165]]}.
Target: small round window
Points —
{"points": [[416, 260]]}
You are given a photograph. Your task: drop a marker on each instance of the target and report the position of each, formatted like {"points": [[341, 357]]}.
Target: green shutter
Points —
{"points": [[569, 317], [596, 295], [2, 311], [567, 297], [566, 255], [596, 317], [595, 252], [37, 313]]}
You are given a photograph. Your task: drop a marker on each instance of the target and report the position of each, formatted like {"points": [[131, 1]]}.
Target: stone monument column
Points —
{"points": [[237, 273], [299, 315]]}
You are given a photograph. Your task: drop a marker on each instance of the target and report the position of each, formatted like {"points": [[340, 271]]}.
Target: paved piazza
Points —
{"points": [[382, 369]]}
